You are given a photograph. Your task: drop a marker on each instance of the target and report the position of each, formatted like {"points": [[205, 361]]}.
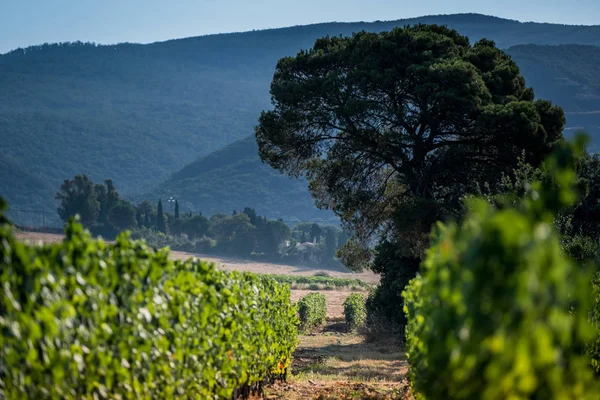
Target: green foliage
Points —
{"points": [[312, 310], [385, 314], [593, 348], [107, 196], [499, 310], [85, 320], [122, 216], [195, 226], [161, 221], [355, 312], [270, 236], [581, 249], [78, 197], [324, 282], [330, 244]]}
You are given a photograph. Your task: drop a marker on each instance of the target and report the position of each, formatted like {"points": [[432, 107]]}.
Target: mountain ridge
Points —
{"points": [[140, 113]]}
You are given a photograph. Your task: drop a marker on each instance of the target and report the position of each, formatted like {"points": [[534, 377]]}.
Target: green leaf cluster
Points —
{"points": [[355, 311], [312, 310], [499, 310], [84, 319], [323, 282]]}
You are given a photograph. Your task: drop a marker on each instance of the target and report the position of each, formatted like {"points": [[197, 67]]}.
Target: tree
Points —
{"points": [[254, 218], [234, 234], [342, 238], [315, 233], [122, 216], [176, 209], [108, 197], [77, 196], [161, 222], [270, 235], [330, 244], [194, 227], [412, 117]]}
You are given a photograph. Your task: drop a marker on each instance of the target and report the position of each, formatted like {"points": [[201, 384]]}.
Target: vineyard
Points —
{"points": [[83, 319]]}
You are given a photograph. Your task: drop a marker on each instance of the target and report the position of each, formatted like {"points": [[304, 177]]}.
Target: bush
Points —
{"points": [[354, 310], [312, 309], [204, 245], [84, 320], [500, 311], [593, 348], [384, 305]]}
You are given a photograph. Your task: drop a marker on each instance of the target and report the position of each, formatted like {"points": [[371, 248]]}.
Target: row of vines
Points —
{"points": [[87, 320], [499, 310]]}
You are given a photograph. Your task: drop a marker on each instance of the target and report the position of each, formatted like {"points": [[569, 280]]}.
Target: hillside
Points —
{"points": [[235, 177], [139, 113], [567, 75]]}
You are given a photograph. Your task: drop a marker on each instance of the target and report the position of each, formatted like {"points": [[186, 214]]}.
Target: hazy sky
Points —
{"points": [[29, 22]]}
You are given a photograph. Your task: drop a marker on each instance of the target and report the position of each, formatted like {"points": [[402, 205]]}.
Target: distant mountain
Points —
{"points": [[570, 77], [235, 177], [139, 113]]}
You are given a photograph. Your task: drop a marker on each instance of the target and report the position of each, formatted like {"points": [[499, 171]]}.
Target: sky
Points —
{"points": [[30, 22]]}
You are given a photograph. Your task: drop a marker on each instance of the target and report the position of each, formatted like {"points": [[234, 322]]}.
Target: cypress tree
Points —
{"points": [[176, 209], [161, 224]]}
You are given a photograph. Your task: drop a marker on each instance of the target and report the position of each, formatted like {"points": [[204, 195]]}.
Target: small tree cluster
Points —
{"points": [[98, 205]]}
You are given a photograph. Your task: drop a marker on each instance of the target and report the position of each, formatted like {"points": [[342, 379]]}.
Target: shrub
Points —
{"points": [[499, 310], [593, 348], [205, 245], [354, 310], [84, 320], [384, 305], [312, 310]]}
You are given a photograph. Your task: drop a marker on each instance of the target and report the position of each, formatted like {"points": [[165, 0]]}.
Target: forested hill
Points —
{"points": [[569, 76], [235, 175], [139, 113]]}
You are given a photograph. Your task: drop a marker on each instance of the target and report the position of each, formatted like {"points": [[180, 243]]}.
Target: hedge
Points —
{"points": [[355, 311], [500, 311], [312, 310], [87, 320]]}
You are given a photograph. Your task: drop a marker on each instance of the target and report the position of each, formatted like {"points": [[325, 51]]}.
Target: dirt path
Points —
{"points": [[334, 364]]}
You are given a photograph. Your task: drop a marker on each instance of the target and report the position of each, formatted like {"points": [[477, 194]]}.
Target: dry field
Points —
{"points": [[335, 364]]}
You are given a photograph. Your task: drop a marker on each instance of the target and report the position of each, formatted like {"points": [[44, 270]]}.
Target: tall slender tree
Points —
{"points": [[330, 244], [161, 223], [315, 233], [176, 209]]}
